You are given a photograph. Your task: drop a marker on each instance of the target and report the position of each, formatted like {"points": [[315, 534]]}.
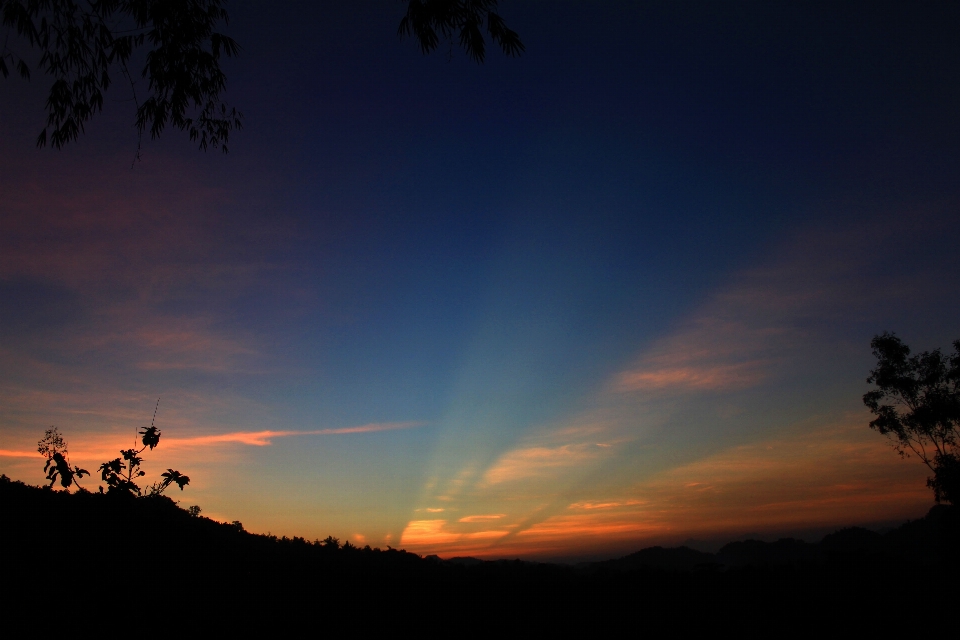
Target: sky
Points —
{"points": [[616, 292]]}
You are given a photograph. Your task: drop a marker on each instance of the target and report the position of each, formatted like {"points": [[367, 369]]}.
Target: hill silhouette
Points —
{"points": [[90, 560]]}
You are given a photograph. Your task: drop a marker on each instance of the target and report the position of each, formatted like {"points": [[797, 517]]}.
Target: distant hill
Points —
{"points": [[932, 540], [676, 559]]}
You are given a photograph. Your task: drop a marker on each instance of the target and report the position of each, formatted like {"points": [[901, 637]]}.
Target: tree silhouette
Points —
{"points": [[86, 44], [917, 404]]}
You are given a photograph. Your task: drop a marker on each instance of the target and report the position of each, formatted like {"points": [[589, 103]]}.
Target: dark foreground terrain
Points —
{"points": [[117, 565]]}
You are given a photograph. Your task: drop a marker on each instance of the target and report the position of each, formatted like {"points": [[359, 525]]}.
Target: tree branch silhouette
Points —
{"points": [[84, 43], [429, 20], [917, 404]]}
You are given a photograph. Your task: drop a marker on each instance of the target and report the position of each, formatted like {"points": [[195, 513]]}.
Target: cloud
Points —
{"points": [[832, 475], [106, 446], [835, 475], [565, 529], [751, 330], [427, 534], [485, 518], [179, 344], [265, 438], [733, 343], [531, 462], [95, 228], [604, 505], [134, 279], [705, 377], [437, 535], [6, 453]]}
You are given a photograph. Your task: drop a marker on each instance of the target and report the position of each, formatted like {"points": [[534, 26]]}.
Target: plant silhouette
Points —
{"points": [[112, 471], [120, 474], [54, 448]]}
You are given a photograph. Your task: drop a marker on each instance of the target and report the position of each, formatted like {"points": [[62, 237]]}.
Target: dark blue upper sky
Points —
{"points": [[633, 147]]}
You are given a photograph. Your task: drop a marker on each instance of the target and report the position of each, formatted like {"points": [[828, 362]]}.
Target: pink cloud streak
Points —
{"points": [[719, 377], [265, 438]]}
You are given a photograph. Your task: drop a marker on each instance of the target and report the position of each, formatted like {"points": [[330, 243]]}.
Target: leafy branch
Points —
{"points": [[84, 43], [429, 20]]}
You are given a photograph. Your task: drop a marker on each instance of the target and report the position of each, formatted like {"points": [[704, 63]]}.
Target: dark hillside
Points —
{"points": [[88, 561]]}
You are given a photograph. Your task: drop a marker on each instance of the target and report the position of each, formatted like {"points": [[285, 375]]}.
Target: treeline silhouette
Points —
{"points": [[92, 561]]}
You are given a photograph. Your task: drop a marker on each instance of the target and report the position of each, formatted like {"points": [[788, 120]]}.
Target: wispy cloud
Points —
{"points": [[96, 238], [6, 453], [439, 536], [265, 438], [839, 474], [836, 474], [735, 342], [106, 446], [604, 505], [704, 377], [140, 280], [189, 344], [531, 462], [750, 329], [484, 518]]}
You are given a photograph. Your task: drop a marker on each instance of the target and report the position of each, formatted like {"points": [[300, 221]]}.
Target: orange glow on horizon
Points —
{"points": [[840, 475]]}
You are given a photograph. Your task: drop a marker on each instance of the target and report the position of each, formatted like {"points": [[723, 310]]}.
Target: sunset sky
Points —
{"points": [[613, 293]]}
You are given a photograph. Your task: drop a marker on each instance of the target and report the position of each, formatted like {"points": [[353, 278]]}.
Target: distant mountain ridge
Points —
{"points": [[933, 538]]}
